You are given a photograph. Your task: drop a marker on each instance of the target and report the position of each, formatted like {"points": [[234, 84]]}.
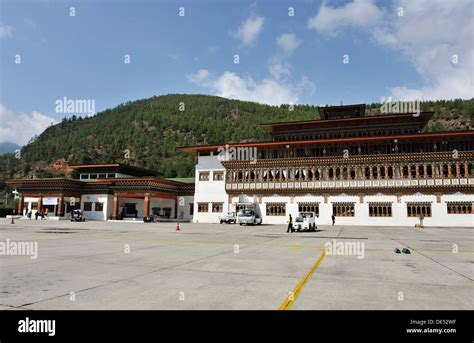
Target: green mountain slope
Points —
{"points": [[147, 132]]}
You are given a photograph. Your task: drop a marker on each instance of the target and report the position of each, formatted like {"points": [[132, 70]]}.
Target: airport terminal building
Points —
{"points": [[364, 170], [107, 192]]}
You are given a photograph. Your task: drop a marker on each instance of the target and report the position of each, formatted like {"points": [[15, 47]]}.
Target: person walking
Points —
{"points": [[290, 225], [333, 217]]}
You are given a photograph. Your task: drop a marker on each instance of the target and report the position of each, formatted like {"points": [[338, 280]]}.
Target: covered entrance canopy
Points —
{"points": [[137, 204]]}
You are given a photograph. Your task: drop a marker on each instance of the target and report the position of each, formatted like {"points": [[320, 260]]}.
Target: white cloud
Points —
{"points": [[288, 42], [267, 91], [277, 70], [428, 35], [20, 127], [202, 76], [359, 13], [5, 31], [249, 30]]}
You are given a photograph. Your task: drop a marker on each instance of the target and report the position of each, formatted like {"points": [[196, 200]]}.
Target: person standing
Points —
{"points": [[333, 217], [290, 225]]}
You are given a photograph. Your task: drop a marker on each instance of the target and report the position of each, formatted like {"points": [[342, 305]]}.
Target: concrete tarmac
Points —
{"points": [[105, 265]]}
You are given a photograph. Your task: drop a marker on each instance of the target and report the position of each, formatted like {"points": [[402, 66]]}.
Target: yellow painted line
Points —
{"points": [[296, 291]]}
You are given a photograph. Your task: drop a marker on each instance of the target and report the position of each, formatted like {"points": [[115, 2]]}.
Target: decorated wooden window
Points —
{"points": [[459, 207], [380, 209], [343, 209], [204, 176], [218, 176], [309, 207], [217, 207], [99, 206], [203, 207], [276, 209], [417, 209]]}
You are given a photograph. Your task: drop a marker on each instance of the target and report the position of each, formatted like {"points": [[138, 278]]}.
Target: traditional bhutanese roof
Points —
{"points": [[183, 179], [392, 119], [101, 181], [101, 185], [140, 179], [343, 140], [117, 167], [343, 111]]}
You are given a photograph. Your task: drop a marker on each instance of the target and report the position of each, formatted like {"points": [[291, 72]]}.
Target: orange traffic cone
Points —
{"points": [[177, 227], [12, 221]]}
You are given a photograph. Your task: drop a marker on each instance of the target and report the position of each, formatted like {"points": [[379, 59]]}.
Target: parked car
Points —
{"points": [[77, 216], [305, 222], [149, 219], [228, 218]]}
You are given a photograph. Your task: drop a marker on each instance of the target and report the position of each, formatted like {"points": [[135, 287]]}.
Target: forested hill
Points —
{"points": [[152, 129]]}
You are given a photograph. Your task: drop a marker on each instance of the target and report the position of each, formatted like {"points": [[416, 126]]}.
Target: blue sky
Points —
{"points": [[427, 52]]}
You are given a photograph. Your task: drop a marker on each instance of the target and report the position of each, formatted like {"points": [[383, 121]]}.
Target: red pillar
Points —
{"points": [[21, 204], [115, 209], [59, 208], [146, 205], [40, 203]]}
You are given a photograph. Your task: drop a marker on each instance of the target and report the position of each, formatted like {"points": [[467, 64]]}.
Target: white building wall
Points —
{"points": [[440, 217], [209, 191], [109, 206], [327, 210], [184, 210], [96, 215], [291, 208], [155, 202], [440, 213], [108, 201], [362, 211]]}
